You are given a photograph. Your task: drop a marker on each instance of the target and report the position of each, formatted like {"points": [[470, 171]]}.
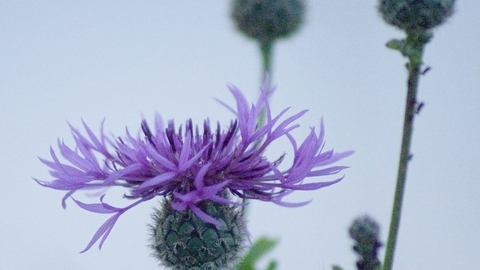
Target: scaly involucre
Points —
{"points": [[193, 166]]}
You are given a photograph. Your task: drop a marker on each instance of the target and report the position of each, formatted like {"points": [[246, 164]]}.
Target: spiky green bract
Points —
{"points": [[415, 15], [364, 230], [267, 20], [183, 241]]}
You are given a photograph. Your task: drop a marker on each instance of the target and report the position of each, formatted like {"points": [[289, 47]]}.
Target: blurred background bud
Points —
{"points": [[413, 15], [364, 230], [267, 20]]}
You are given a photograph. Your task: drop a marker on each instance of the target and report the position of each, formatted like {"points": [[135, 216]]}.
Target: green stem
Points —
{"points": [[413, 49], [266, 49]]}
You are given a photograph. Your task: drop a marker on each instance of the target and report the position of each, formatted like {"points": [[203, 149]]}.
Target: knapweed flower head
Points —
{"points": [[196, 170], [267, 20], [415, 15]]}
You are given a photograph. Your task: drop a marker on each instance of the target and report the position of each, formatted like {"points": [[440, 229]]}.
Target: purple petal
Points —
{"points": [[157, 180], [200, 175], [327, 171], [280, 130], [130, 169], [64, 199], [107, 227], [336, 157], [204, 216], [185, 153], [101, 208], [313, 186], [104, 230], [291, 204], [161, 159], [190, 162]]}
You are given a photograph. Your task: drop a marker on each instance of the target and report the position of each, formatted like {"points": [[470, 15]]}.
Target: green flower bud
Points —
{"points": [[364, 230], [267, 20], [413, 15], [183, 241]]}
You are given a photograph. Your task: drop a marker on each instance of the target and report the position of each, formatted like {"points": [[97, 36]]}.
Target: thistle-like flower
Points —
{"points": [[198, 173]]}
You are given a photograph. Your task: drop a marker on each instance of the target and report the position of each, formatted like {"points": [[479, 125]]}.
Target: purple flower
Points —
{"points": [[192, 165]]}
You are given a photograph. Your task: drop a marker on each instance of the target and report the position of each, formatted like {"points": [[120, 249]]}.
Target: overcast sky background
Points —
{"points": [[70, 60]]}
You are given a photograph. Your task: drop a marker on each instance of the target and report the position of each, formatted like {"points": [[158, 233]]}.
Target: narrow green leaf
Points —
{"points": [[272, 265], [396, 44], [261, 247]]}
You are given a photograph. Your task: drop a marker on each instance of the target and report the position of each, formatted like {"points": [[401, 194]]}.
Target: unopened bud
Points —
{"points": [[267, 20], [364, 230], [414, 15]]}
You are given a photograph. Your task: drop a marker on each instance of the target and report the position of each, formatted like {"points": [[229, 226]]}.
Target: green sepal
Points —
{"points": [[396, 44], [412, 46]]}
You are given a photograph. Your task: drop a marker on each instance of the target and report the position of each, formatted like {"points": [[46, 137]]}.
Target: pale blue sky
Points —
{"points": [[70, 60]]}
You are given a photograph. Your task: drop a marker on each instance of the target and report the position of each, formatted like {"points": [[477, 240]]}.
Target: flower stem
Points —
{"points": [[412, 48], [266, 49]]}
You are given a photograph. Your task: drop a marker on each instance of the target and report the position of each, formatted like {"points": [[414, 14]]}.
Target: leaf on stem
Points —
{"points": [[261, 247]]}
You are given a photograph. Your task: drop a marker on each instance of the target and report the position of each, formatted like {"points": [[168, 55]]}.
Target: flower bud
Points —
{"points": [[266, 20], [183, 241], [413, 15], [364, 230]]}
